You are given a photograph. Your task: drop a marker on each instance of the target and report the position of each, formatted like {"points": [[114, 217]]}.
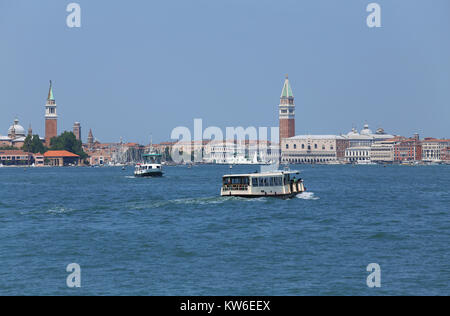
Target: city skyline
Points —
{"points": [[343, 74]]}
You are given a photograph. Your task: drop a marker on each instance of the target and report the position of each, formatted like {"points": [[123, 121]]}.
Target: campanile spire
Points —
{"points": [[287, 111], [51, 117]]}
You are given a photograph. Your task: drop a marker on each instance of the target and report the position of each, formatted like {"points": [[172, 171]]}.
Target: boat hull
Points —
{"points": [[149, 175], [258, 196]]}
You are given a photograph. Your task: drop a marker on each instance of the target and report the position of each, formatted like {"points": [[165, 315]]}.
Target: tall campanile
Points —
{"points": [[51, 117], [287, 111]]}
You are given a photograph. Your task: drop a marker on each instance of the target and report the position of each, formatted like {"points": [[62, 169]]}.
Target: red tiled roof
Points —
{"points": [[430, 139], [59, 154]]}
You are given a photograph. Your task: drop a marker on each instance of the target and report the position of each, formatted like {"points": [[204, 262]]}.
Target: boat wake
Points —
{"points": [[308, 196]]}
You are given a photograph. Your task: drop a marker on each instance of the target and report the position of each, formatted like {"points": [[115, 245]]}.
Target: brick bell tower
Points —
{"points": [[287, 111], [51, 117]]}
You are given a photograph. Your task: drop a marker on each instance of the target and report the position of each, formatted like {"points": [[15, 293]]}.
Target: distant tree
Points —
{"points": [[37, 145], [27, 144], [33, 144], [68, 141]]}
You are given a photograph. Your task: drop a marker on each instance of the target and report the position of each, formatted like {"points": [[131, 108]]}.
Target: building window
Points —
{"points": [[303, 146], [287, 146], [315, 146], [295, 146]]}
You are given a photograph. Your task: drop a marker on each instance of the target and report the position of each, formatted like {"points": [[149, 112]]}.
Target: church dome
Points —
{"points": [[354, 132], [18, 129], [366, 130]]}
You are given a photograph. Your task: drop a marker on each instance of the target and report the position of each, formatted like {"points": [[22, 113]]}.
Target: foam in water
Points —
{"points": [[308, 196]]}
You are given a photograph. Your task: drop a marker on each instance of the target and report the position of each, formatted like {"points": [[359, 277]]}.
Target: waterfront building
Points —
{"points": [[51, 117], [240, 152], [16, 136], [39, 160], [352, 147], [446, 155], [60, 158], [382, 151], [434, 150], [408, 150], [223, 152], [358, 154], [365, 138], [100, 157], [15, 158], [77, 130], [287, 112], [113, 153], [313, 149]]}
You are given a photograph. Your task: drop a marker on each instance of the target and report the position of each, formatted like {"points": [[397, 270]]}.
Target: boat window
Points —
{"points": [[240, 180], [255, 182]]}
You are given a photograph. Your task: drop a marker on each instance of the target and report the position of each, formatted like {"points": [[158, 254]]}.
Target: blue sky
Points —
{"points": [[137, 68]]}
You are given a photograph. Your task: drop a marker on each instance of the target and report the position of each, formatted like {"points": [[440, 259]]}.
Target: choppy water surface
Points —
{"points": [[176, 236]]}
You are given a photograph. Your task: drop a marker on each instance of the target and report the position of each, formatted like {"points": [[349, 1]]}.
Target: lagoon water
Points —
{"points": [[176, 236]]}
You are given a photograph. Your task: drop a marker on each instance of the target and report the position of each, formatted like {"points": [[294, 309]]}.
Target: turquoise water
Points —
{"points": [[176, 236]]}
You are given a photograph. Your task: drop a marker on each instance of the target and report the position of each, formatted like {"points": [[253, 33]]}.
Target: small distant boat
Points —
{"points": [[151, 167], [279, 184], [365, 163]]}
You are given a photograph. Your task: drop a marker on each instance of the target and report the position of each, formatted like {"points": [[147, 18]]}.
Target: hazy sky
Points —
{"points": [[137, 68]]}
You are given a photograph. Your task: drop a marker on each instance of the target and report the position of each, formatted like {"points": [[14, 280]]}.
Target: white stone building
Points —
{"points": [[307, 149], [382, 152], [433, 150], [358, 154]]}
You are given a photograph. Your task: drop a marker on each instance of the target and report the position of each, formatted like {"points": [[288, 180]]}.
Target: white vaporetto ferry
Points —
{"points": [[279, 184], [150, 168]]}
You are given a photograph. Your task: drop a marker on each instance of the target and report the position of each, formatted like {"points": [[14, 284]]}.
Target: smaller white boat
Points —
{"points": [[151, 167]]}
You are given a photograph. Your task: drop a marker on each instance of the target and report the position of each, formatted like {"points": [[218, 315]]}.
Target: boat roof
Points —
{"points": [[263, 174]]}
